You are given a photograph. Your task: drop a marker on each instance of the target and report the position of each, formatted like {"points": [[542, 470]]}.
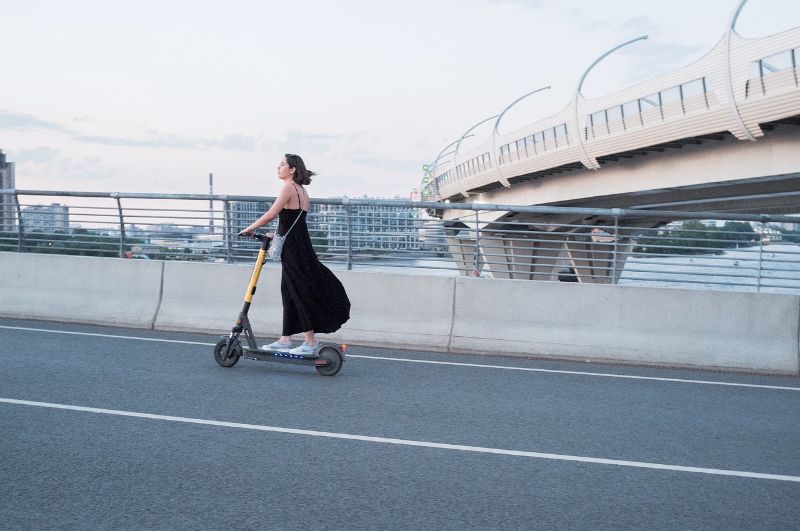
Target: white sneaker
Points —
{"points": [[304, 350], [277, 345]]}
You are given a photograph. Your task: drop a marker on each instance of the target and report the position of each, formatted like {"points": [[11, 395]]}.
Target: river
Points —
{"points": [[733, 270]]}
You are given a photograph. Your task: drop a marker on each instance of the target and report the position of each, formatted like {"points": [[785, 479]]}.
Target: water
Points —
{"points": [[733, 270], [439, 267]]}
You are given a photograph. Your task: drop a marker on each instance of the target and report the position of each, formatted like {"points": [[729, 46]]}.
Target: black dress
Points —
{"points": [[313, 298]]}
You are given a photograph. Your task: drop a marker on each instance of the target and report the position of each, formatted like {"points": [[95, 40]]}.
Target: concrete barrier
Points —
{"points": [[205, 297], [750, 331], [396, 310], [755, 331], [389, 310], [77, 288]]}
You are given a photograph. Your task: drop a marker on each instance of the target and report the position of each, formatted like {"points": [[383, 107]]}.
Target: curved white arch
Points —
{"points": [[590, 162], [500, 116], [737, 115]]}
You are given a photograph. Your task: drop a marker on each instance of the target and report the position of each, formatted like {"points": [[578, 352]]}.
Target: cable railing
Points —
{"points": [[699, 250]]}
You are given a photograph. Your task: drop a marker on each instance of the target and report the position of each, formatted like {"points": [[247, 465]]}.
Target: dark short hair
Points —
{"points": [[302, 175]]}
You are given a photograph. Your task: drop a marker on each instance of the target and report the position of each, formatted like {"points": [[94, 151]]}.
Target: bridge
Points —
{"points": [[720, 134]]}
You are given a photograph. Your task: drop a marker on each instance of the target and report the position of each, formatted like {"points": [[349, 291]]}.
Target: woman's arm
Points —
{"points": [[283, 197]]}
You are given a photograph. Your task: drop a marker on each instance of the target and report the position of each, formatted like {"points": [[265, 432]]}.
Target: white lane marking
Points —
{"points": [[582, 373], [105, 335], [408, 442], [431, 362]]}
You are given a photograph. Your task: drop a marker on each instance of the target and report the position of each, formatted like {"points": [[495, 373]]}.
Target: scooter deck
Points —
{"points": [[282, 356]]}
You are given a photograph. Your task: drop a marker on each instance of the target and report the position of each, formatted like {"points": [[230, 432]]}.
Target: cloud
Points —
{"points": [[17, 121], [230, 142], [237, 142], [640, 25], [520, 3], [119, 141], [653, 58], [46, 162], [37, 155], [297, 141]]}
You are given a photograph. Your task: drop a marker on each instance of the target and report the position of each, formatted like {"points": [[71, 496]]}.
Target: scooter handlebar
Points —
{"points": [[260, 237]]}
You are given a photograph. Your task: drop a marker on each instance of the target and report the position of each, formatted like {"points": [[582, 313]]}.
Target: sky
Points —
{"points": [[152, 96]]}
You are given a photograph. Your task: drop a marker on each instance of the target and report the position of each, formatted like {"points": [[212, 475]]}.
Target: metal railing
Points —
{"points": [[632, 247], [726, 90]]}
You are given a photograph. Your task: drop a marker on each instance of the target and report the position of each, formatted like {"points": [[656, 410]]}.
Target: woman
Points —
{"points": [[313, 298]]}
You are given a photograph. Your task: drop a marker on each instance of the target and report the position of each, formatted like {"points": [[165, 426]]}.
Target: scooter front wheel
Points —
{"points": [[219, 353], [333, 359]]}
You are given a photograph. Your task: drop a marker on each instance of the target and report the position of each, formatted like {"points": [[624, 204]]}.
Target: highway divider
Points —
{"points": [[80, 289], [732, 330], [750, 331], [388, 310]]}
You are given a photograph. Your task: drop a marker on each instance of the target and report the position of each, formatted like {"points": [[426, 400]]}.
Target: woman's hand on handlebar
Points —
{"points": [[252, 234]]}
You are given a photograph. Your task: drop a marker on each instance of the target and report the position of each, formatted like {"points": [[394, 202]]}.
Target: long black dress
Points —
{"points": [[313, 298]]}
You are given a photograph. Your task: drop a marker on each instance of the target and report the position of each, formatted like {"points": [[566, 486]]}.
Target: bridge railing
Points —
{"points": [[661, 248], [737, 86]]}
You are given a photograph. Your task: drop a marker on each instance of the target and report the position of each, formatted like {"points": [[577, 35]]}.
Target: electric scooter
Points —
{"points": [[327, 357]]}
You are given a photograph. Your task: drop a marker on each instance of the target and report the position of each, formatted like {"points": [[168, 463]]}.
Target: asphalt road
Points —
{"points": [[112, 428]]}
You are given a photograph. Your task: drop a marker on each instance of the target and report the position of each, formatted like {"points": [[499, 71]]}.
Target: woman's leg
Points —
{"points": [[310, 340]]}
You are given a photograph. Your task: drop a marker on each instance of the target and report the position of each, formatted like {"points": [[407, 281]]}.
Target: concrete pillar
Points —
{"points": [[463, 247], [592, 255], [527, 256]]}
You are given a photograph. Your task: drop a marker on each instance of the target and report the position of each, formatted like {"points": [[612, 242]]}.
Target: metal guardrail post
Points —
{"points": [[475, 271], [348, 223], [761, 253], [227, 237], [616, 250], [20, 228], [121, 227]]}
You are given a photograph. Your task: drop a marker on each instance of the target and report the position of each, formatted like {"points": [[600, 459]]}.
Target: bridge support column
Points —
{"points": [[463, 247], [522, 256], [593, 256], [525, 254]]}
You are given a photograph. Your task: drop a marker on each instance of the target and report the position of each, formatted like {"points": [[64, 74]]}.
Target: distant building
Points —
{"points": [[46, 218], [7, 206], [768, 234], [373, 228], [243, 213]]}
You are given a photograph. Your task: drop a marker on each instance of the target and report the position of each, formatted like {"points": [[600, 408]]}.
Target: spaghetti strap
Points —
{"points": [[299, 201]]}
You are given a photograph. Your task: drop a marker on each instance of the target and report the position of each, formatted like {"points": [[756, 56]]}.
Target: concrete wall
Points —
{"points": [[389, 310], [754, 331], [751, 331], [203, 297], [82, 289]]}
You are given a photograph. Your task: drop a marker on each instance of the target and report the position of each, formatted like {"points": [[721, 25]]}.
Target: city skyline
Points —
{"points": [[167, 99]]}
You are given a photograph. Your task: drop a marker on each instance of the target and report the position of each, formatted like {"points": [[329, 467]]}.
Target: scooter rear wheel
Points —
{"points": [[334, 359], [219, 353]]}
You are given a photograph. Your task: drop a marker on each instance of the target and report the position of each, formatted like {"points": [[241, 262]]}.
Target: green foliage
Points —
{"points": [[79, 242], [696, 238]]}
